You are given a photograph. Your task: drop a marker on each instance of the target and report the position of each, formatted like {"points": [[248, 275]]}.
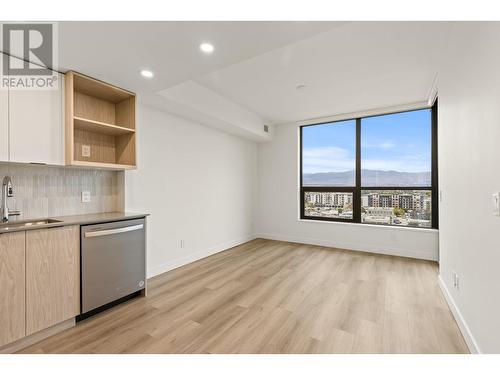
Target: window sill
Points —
{"points": [[378, 226]]}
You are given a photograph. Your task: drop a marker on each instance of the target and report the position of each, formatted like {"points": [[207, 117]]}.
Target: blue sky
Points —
{"points": [[399, 142]]}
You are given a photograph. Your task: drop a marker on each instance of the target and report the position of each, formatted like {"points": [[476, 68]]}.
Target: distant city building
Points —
{"points": [[378, 207], [417, 202], [385, 200], [328, 199], [364, 201], [373, 200], [427, 203], [405, 201], [379, 211], [378, 215]]}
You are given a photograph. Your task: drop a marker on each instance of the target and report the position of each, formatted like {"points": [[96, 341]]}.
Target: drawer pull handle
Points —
{"points": [[108, 232]]}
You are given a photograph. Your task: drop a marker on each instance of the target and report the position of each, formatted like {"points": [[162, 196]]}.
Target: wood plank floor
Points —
{"points": [[277, 297]]}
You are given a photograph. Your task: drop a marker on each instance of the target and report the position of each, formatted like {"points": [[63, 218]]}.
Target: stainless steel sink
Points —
{"points": [[26, 224]]}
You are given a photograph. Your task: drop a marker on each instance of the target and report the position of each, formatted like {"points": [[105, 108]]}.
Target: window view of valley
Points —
{"points": [[329, 205], [390, 207], [394, 155], [396, 207]]}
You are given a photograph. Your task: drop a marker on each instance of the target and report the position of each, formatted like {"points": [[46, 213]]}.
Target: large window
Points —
{"points": [[373, 170]]}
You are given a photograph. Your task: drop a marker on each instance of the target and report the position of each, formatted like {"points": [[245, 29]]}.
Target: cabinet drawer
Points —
{"points": [[12, 287]]}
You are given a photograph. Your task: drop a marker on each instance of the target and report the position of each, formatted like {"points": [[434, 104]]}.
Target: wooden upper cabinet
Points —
{"points": [[12, 287], [52, 276], [36, 124], [100, 124]]}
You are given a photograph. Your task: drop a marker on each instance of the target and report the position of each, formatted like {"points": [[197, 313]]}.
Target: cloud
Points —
{"points": [[327, 159], [386, 145]]}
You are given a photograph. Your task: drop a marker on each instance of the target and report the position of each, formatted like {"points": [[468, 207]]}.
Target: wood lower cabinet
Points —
{"points": [[12, 287], [52, 276]]}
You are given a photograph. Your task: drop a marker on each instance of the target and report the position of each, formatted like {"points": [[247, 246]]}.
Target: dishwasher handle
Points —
{"points": [[107, 232]]}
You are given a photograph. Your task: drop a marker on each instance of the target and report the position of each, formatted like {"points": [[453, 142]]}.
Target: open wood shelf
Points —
{"points": [[100, 127], [100, 118], [98, 165], [99, 89]]}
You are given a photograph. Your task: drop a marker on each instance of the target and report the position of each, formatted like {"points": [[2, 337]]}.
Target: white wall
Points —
{"points": [[278, 210], [197, 183], [469, 170]]}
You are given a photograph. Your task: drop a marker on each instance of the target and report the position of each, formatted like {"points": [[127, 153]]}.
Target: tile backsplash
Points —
{"points": [[43, 191]]}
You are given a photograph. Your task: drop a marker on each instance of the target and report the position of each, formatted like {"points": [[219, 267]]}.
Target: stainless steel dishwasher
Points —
{"points": [[113, 263]]}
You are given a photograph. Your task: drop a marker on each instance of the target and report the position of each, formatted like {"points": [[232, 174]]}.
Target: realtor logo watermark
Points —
{"points": [[29, 58]]}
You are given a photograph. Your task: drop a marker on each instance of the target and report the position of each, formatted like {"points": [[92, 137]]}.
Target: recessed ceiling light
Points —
{"points": [[147, 73], [207, 47]]}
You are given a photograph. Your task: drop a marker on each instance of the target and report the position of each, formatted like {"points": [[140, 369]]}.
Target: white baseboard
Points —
{"points": [[182, 261], [358, 246], [464, 328]]}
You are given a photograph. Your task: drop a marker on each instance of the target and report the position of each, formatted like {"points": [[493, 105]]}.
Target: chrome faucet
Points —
{"points": [[7, 192]]}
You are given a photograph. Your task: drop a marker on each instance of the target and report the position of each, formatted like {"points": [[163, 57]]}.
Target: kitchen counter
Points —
{"points": [[71, 220]]}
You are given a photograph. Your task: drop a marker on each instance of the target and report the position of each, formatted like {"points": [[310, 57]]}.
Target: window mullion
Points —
{"points": [[357, 192]]}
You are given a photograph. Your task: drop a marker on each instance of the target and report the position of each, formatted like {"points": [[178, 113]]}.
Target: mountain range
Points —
{"points": [[369, 178]]}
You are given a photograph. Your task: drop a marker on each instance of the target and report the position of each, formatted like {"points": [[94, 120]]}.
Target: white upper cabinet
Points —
{"points": [[36, 125], [4, 125]]}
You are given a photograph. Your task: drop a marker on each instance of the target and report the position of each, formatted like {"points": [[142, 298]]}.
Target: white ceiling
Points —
{"points": [[357, 66], [117, 51], [346, 66]]}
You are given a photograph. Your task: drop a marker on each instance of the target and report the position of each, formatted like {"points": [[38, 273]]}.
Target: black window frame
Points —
{"points": [[358, 188]]}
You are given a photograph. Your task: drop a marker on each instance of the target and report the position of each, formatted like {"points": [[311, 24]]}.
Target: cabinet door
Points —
{"points": [[4, 124], [36, 125], [12, 287], [52, 276]]}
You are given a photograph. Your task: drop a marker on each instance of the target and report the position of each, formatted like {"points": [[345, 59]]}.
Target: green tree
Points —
{"points": [[399, 212]]}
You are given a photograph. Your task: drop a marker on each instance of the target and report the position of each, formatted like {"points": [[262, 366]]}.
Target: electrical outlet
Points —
{"points": [[182, 244], [456, 280], [85, 196], [496, 204], [86, 151]]}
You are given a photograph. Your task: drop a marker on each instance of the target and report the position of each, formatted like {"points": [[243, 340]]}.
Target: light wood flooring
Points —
{"points": [[277, 297]]}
